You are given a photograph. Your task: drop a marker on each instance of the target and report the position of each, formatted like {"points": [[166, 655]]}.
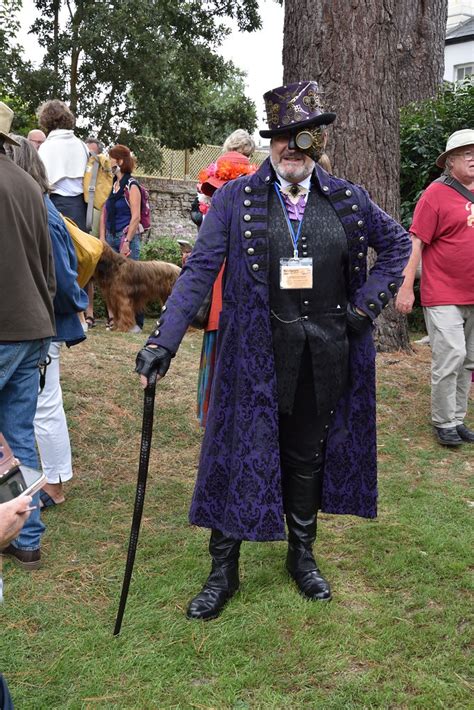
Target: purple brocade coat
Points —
{"points": [[238, 487]]}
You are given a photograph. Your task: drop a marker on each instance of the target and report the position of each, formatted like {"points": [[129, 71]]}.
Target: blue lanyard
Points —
{"points": [[294, 237]]}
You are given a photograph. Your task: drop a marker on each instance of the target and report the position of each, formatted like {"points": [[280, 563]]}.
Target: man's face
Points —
{"points": [[36, 138], [462, 164], [287, 160], [93, 148]]}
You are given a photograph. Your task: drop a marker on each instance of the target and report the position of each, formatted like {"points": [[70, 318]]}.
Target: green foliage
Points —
{"points": [[161, 249], [100, 309], [416, 319], [424, 129], [10, 52], [23, 121], [146, 149], [229, 109], [151, 66]]}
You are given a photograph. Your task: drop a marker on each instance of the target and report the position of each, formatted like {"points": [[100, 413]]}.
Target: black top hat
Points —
{"points": [[294, 106]]}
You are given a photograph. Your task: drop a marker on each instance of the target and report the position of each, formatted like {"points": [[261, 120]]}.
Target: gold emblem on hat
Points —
{"points": [[313, 99], [273, 111]]}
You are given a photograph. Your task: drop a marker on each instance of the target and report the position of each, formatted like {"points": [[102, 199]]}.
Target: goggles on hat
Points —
{"points": [[311, 142]]}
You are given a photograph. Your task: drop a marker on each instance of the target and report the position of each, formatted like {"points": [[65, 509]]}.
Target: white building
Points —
{"points": [[459, 44]]}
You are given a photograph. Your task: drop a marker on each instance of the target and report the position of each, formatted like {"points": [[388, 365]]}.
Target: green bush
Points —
{"points": [[146, 149], [161, 249], [416, 319], [100, 310], [424, 128]]}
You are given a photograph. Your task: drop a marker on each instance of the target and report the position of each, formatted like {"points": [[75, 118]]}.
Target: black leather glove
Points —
{"points": [[356, 322], [151, 360]]}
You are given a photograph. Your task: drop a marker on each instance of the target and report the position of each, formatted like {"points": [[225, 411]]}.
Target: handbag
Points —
{"points": [[88, 251]]}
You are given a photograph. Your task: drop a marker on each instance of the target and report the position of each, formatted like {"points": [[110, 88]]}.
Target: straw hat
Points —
{"points": [[459, 139], [6, 118]]}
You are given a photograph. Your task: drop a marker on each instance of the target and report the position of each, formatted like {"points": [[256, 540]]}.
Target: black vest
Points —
{"points": [[316, 316]]}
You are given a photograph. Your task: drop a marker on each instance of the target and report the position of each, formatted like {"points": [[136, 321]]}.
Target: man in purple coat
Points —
{"points": [[291, 424]]}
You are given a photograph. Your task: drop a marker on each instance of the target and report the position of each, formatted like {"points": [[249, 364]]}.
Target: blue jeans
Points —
{"points": [[113, 240], [19, 381]]}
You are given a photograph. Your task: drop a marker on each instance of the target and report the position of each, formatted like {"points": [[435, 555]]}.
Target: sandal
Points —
{"points": [[109, 324], [90, 320], [47, 501]]}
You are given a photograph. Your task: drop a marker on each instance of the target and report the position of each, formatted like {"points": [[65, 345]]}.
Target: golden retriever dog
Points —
{"points": [[127, 285]]}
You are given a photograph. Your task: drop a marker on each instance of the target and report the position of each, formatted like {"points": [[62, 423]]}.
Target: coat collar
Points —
{"points": [[266, 175]]}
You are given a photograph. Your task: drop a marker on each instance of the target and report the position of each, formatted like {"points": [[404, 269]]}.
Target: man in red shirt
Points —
{"points": [[443, 230]]}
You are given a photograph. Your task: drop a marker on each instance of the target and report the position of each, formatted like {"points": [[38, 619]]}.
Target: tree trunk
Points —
{"points": [[73, 79], [56, 5], [421, 31], [76, 20], [368, 56]]}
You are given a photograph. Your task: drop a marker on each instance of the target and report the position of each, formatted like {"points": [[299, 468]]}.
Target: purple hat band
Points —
{"points": [[294, 106]]}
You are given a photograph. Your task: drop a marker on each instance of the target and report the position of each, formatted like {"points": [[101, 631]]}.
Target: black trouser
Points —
{"points": [[73, 207], [303, 432], [303, 436]]}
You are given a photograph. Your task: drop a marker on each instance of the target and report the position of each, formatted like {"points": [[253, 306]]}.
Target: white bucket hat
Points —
{"points": [[459, 139], [6, 118]]}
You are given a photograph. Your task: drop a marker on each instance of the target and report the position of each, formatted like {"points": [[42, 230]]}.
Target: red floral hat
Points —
{"points": [[227, 167]]}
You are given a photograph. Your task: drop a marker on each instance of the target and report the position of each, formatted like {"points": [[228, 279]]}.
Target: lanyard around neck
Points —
{"points": [[294, 237]]}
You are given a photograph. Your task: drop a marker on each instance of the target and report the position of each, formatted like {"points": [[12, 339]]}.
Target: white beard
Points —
{"points": [[294, 175]]}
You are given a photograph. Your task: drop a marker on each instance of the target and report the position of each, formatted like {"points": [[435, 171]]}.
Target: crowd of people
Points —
{"points": [[286, 391], [42, 307]]}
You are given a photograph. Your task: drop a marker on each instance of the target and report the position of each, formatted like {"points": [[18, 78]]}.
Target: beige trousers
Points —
{"points": [[451, 331]]}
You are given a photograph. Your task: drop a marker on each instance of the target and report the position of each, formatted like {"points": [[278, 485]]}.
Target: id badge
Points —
{"points": [[296, 273]]}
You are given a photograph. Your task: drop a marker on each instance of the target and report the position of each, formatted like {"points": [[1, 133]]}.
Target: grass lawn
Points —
{"points": [[398, 633]]}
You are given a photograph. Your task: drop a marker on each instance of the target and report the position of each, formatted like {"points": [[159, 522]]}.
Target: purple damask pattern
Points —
{"points": [[238, 487]]}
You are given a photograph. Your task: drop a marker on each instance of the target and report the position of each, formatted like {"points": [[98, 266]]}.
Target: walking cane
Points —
{"points": [[145, 446]]}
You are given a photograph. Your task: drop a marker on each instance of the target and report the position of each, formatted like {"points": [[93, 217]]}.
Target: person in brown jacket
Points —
{"points": [[27, 287]]}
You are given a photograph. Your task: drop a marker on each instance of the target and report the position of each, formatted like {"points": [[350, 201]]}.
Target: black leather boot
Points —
{"points": [[302, 497], [223, 580]]}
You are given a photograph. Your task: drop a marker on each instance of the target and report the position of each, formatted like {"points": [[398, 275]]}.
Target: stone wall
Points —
{"points": [[170, 202]]}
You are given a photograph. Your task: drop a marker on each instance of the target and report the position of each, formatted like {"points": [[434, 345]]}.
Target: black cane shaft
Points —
{"points": [[145, 448]]}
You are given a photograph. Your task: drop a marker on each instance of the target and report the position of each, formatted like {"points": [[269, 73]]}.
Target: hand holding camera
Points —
{"points": [[13, 515], [16, 479]]}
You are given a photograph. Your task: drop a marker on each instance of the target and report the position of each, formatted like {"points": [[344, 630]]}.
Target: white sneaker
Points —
{"points": [[135, 329]]}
